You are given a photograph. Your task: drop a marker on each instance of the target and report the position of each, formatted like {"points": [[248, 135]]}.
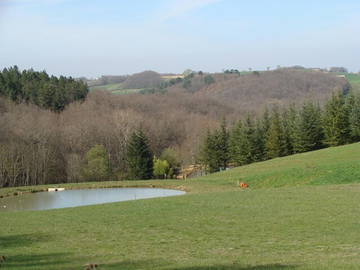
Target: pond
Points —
{"points": [[73, 198]]}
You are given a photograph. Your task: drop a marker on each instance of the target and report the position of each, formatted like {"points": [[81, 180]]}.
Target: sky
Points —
{"points": [[110, 37]]}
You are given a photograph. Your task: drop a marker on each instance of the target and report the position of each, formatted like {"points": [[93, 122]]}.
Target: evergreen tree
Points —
{"points": [[293, 126], [46, 94], [215, 152], [275, 144], [208, 153], [354, 118], [59, 100], [222, 142], [38, 88], [336, 121], [266, 121], [259, 140], [12, 85], [237, 138], [139, 157], [310, 133], [287, 126], [249, 128], [243, 146]]}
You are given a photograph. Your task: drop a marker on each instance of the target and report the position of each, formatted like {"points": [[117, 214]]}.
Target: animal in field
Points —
{"points": [[243, 185], [91, 266]]}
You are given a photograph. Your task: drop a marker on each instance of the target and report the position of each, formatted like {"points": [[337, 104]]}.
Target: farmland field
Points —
{"points": [[354, 80], [108, 87], [115, 88]]}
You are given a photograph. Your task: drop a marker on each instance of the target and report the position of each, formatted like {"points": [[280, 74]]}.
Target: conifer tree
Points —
{"points": [[40, 89], [336, 121], [222, 137], [259, 140], [46, 94], [237, 142], [354, 117], [249, 128], [216, 153], [310, 130], [139, 156], [275, 144], [247, 142], [209, 153], [266, 121], [287, 127], [293, 123]]}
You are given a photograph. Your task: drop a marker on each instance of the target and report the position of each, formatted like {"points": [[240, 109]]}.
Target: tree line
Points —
{"points": [[38, 158], [48, 92], [105, 139], [282, 132], [89, 140]]}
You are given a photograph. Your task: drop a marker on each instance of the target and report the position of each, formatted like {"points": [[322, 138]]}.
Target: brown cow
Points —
{"points": [[243, 185], [91, 266]]}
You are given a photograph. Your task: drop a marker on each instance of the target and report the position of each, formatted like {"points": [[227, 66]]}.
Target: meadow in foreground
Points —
{"points": [[301, 212]]}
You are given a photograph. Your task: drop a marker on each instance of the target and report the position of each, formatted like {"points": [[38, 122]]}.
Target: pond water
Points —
{"points": [[73, 198]]}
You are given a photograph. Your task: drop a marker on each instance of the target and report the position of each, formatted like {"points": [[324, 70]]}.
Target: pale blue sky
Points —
{"points": [[94, 37]]}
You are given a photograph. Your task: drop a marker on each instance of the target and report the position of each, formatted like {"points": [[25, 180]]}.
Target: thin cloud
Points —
{"points": [[181, 7]]}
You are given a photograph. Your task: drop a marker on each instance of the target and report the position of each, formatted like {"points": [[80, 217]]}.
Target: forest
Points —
{"points": [[284, 131], [53, 130], [47, 92]]}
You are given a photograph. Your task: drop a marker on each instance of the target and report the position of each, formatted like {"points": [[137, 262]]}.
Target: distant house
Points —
{"points": [[319, 70]]}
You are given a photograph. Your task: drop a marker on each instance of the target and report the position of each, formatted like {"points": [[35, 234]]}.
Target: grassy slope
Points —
{"points": [[115, 88], [354, 80], [126, 91], [302, 225], [329, 166], [109, 87]]}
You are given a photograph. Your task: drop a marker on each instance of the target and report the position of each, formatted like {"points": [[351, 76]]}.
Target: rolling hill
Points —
{"points": [[250, 91], [260, 89]]}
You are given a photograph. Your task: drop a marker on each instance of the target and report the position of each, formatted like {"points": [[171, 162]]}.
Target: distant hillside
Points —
{"points": [[129, 84], [244, 91], [255, 90], [145, 79]]}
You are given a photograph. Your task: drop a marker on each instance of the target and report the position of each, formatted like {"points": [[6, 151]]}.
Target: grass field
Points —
{"points": [[108, 87], [301, 212], [354, 80], [126, 91], [116, 88]]}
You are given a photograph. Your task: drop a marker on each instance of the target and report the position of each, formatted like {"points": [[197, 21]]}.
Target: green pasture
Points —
{"points": [[300, 212]]}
